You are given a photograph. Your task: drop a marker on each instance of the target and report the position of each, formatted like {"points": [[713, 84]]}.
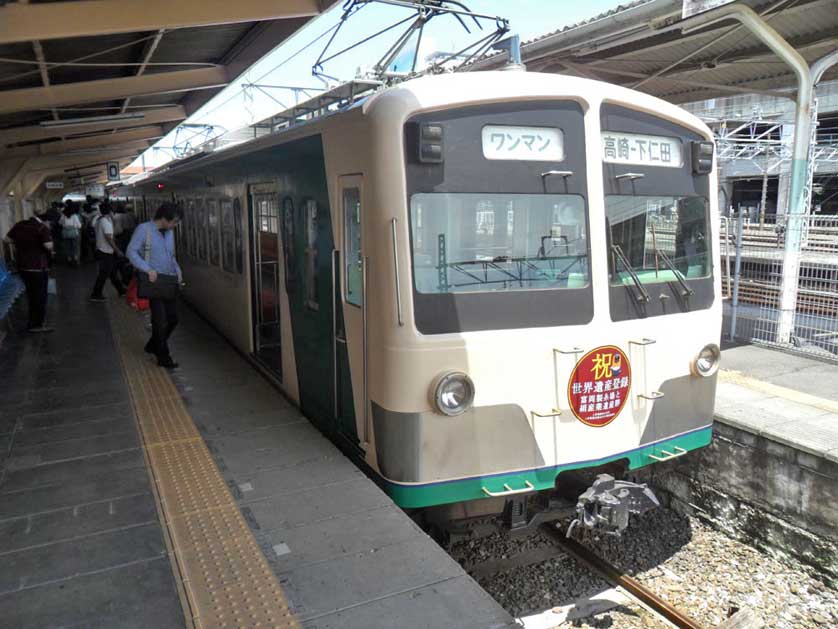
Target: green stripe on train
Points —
{"points": [[416, 496]]}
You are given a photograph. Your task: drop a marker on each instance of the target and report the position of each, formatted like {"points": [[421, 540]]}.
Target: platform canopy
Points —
{"points": [[84, 82], [641, 45]]}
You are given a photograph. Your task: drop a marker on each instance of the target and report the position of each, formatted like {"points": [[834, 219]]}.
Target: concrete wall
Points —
{"points": [[745, 106], [756, 489]]}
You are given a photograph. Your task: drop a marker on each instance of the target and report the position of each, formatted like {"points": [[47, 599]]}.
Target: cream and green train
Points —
{"points": [[473, 282]]}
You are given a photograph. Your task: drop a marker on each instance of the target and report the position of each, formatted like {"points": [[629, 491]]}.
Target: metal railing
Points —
{"points": [[752, 262]]}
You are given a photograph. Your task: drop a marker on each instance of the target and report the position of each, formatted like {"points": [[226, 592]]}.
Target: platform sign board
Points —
{"points": [[95, 190], [113, 171], [694, 7], [55, 185]]}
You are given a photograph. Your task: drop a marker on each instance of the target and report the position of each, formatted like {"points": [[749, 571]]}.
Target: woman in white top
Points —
{"points": [[71, 235]]}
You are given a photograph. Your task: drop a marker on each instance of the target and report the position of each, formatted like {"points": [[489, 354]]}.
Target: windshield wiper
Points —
{"points": [[643, 297], [686, 290]]}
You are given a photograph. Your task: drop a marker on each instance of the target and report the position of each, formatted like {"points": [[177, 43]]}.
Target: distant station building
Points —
{"points": [[723, 74]]}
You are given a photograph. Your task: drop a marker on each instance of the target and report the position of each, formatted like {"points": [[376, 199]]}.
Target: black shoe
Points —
{"points": [[148, 349], [167, 363]]}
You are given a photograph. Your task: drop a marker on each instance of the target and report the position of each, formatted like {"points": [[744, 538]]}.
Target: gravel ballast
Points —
{"points": [[697, 568]]}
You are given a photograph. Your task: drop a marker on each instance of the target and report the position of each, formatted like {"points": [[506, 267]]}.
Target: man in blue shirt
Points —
{"points": [[158, 259]]}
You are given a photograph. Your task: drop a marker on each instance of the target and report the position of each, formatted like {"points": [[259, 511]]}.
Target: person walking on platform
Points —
{"points": [[33, 244], [152, 252], [106, 253], [71, 234], [90, 214]]}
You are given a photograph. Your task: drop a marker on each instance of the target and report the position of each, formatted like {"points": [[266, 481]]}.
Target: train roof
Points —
{"points": [[444, 90], [430, 92]]}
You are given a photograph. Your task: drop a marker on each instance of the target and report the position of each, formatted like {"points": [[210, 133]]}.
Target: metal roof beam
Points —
{"points": [[73, 162], [35, 133], [31, 98], [757, 53], [716, 86], [91, 142], [659, 34], [54, 20], [148, 52]]}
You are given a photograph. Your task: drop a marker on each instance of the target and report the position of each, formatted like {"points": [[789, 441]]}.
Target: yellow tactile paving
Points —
{"points": [[164, 420], [735, 377], [224, 575]]}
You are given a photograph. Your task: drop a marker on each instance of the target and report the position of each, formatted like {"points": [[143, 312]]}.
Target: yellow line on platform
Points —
{"points": [[738, 378], [222, 572]]}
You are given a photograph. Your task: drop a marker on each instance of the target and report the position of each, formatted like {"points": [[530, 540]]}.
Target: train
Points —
{"points": [[475, 283]]}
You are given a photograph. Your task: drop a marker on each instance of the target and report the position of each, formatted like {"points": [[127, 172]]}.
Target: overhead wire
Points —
{"points": [[275, 68]]}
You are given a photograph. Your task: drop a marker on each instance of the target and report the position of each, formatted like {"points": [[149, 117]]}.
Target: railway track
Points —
{"points": [[616, 577], [553, 545]]}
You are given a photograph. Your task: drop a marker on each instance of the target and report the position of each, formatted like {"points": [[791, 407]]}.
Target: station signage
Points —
{"points": [[55, 185], [523, 143], [113, 171], [641, 150]]}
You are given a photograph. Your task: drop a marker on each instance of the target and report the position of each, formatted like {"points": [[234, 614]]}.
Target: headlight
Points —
{"points": [[707, 361], [453, 393]]}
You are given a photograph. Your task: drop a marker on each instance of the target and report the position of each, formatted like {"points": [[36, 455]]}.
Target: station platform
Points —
{"points": [[770, 474], [787, 398], [135, 497]]}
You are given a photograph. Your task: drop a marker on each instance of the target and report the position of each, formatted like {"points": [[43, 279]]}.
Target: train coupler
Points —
{"points": [[607, 504]]}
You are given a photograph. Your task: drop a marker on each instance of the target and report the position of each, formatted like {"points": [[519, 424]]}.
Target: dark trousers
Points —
{"points": [[164, 320], [107, 269], [36, 283]]}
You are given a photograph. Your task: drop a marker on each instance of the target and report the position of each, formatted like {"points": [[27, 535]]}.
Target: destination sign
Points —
{"points": [[523, 143], [641, 150]]}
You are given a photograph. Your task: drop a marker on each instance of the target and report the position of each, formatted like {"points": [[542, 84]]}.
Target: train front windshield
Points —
{"points": [[467, 242], [657, 239]]}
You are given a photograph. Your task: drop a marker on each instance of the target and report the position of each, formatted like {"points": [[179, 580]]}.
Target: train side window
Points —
{"points": [[213, 231], [311, 254], [189, 220], [239, 243], [180, 231], [352, 246], [288, 243], [201, 224], [227, 236]]}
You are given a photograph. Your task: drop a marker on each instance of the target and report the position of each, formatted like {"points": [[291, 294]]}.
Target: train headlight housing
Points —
{"points": [[706, 363], [453, 393]]}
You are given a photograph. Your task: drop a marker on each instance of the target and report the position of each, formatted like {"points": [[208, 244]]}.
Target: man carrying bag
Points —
{"points": [[152, 252]]}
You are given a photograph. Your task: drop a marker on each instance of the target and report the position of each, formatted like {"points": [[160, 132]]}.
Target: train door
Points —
{"points": [[350, 329], [264, 217]]}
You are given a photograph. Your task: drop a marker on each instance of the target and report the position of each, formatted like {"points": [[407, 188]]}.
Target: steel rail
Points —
{"points": [[615, 576]]}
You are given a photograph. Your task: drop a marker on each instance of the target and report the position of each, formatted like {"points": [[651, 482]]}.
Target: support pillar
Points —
{"points": [[796, 206]]}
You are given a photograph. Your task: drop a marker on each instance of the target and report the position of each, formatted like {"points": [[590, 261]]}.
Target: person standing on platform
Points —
{"points": [[152, 252], [33, 244], [90, 214], [71, 234], [106, 253]]}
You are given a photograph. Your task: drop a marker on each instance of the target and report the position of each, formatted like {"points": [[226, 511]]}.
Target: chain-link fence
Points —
{"points": [[780, 282]]}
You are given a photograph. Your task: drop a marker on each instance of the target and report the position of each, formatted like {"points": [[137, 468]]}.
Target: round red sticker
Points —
{"points": [[599, 385]]}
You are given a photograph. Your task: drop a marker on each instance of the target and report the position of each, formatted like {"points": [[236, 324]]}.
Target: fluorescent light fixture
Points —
{"points": [[137, 115]]}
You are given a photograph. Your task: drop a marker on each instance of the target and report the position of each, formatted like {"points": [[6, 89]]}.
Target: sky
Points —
{"points": [[290, 64]]}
